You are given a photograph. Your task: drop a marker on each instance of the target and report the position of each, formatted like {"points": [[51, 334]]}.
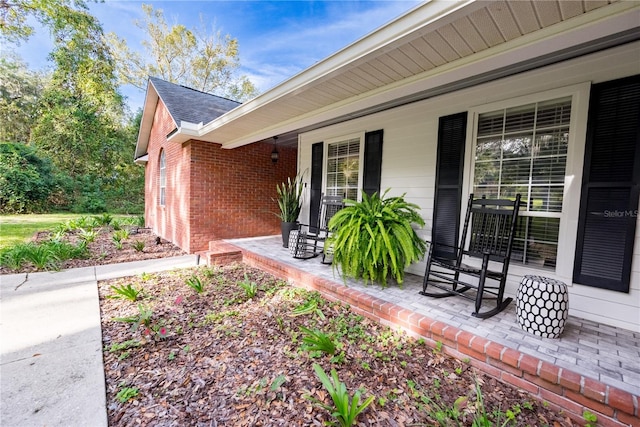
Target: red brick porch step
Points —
{"points": [[221, 253], [563, 389]]}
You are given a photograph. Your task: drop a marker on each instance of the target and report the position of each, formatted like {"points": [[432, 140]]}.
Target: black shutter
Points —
{"points": [[372, 162], [452, 133], [317, 151], [610, 186]]}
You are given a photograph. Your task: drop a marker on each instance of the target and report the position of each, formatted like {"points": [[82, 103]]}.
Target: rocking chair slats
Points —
{"points": [[489, 230], [311, 238]]}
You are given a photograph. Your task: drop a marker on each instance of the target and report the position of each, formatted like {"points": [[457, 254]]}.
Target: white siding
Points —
{"points": [[409, 164]]}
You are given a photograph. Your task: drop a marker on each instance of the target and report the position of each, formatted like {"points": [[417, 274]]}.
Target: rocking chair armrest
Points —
{"points": [[433, 244]]}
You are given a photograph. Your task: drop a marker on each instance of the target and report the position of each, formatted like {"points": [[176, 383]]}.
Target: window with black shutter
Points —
{"points": [[610, 186], [452, 131]]}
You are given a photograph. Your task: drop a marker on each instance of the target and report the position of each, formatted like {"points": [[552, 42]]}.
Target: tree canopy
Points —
{"points": [[20, 90], [14, 25], [190, 57]]}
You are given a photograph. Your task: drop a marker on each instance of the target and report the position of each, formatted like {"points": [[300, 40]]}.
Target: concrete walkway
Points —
{"points": [[51, 369]]}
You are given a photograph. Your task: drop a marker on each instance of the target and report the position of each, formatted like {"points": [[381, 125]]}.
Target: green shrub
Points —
{"points": [[26, 179], [374, 238]]}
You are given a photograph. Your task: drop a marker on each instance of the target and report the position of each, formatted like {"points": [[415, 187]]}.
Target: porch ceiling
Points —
{"points": [[383, 69]]}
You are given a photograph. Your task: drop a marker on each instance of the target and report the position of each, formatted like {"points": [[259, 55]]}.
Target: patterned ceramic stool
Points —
{"points": [[542, 306], [297, 246]]}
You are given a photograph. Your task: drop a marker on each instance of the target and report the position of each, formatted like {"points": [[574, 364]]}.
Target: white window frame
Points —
{"points": [[325, 156], [567, 234], [162, 178]]}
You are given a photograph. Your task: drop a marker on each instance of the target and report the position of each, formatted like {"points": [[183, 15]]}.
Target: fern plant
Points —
{"points": [[374, 238], [345, 409]]}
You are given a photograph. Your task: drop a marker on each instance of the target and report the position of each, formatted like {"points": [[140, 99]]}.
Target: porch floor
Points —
{"points": [[604, 353]]}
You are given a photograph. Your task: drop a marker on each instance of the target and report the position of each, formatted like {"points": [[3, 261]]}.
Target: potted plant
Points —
{"points": [[290, 202], [374, 238]]}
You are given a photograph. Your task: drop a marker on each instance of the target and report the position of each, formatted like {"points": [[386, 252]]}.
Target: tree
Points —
{"points": [[14, 15], [79, 123], [26, 179], [81, 112], [193, 58], [19, 93]]}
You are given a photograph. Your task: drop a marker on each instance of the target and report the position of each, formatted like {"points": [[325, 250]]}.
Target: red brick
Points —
{"points": [[464, 339], [425, 323], [471, 352], [394, 311], [479, 344], [563, 402], [529, 364], [494, 350], [404, 315], [628, 420], [570, 380], [594, 390], [505, 367], [542, 383], [519, 382], [386, 308], [511, 357], [486, 368], [621, 400], [549, 372], [589, 403], [437, 329], [365, 300], [451, 334]]}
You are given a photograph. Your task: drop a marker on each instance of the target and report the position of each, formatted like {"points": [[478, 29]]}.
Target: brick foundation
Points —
{"points": [[562, 389]]}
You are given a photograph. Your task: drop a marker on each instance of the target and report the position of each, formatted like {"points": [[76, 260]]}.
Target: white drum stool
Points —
{"points": [[542, 306]]}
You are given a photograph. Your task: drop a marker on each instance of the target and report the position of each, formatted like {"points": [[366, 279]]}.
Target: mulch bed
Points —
{"points": [[222, 358], [103, 249]]}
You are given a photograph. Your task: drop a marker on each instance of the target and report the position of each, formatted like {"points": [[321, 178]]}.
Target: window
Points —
{"points": [[524, 150], [343, 168], [163, 178]]}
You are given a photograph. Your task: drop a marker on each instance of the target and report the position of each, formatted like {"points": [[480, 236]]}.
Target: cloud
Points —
{"points": [[285, 51]]}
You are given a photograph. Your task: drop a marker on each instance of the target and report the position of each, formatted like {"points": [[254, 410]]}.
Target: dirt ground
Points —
{"points": [[224, 357]]}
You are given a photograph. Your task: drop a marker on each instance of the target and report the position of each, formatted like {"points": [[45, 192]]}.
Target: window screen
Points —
{"points": [[343, 168], [524, 150]]}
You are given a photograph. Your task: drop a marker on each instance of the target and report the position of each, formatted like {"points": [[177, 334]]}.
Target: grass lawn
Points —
{"points": [[19, 228]]}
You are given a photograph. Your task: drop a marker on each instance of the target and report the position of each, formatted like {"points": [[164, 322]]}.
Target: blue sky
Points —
{"points": [[277, 39]]}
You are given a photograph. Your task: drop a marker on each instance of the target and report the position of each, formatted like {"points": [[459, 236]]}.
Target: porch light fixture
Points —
{"points": [[274, 154]]}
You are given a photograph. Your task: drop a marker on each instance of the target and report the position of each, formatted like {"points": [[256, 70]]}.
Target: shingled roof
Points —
{"points": [[190, 105]]}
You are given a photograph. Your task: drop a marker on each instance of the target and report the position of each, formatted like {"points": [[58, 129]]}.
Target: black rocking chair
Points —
{"points": [[310, 240], [490, 226]]}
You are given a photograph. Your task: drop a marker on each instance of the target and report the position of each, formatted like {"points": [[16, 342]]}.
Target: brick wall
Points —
{"points": [[212, 193], [171, 220]]}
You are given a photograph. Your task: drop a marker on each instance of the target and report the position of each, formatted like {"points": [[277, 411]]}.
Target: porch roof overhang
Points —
{"points": [[435, 48]]}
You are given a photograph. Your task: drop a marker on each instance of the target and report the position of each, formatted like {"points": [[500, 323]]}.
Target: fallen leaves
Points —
{"points": [[248, 368]]}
